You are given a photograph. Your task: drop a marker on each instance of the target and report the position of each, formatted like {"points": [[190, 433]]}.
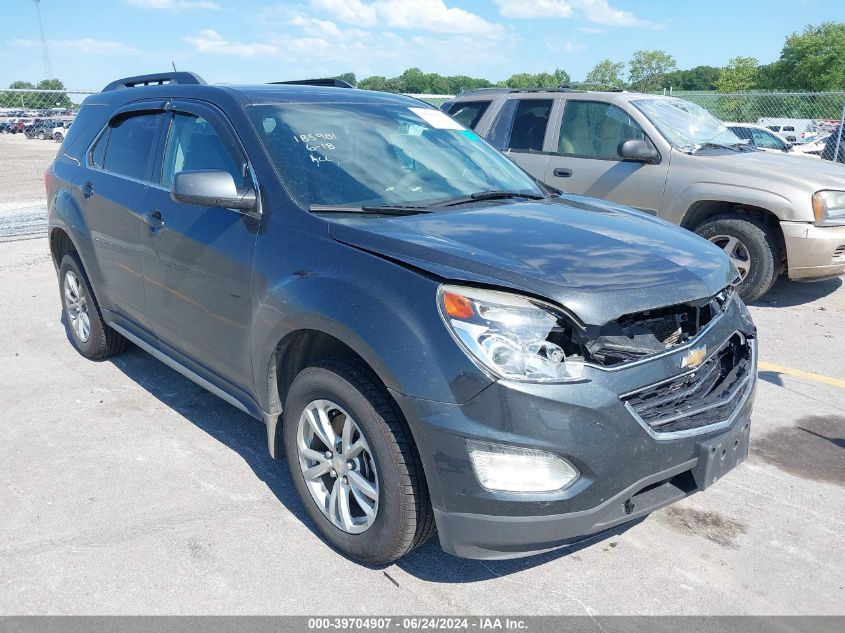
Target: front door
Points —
{"points": [[197, 261], [586, 160]]}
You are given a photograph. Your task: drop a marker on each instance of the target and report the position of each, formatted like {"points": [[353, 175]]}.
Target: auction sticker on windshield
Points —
{"points": [[437, 119]]}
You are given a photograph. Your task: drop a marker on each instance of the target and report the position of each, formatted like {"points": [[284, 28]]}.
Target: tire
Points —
{"points": [[41, 136], [755, 246], [97, 341], [58, 137], [403, 517]]}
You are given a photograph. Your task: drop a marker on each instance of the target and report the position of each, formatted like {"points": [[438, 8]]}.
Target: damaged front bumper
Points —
{"points": [[631, 460]]}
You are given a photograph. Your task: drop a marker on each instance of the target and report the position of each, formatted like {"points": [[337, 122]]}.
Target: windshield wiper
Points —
{"points": [[379, 209], [489, 195]]}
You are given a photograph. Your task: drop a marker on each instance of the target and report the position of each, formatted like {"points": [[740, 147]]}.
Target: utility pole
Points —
{"points": [[45, 56]]}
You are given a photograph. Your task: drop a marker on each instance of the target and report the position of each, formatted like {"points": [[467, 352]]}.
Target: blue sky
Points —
{"points": [[227, 41]]}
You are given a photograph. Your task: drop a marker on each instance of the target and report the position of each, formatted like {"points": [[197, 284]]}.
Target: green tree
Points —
{"points": [[376, 82], [348, 78], [606, 73], [36, 100], [698, 79], [648, 69], [21, 85], [740, 75], [813, 60]]}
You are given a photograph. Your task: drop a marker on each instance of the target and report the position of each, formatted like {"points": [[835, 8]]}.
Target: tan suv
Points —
{"points": [[672, 158]]}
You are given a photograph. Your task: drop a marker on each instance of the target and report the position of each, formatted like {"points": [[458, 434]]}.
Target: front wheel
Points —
{"points": [[353, 463], [752, 247]]}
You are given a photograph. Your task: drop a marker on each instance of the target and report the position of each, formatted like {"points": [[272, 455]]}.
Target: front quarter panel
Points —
{"points": [[385, 312]]}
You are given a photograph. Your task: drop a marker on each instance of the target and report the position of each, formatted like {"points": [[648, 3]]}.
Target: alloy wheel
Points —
{"points": [[338, 466], [736, 250], [76, 305]]}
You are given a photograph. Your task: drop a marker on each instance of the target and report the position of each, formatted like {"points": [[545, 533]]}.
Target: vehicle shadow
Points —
{"points": [[247, 437], [786, 293]]}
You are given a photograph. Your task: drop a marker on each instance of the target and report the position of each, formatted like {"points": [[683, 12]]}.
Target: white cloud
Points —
{"points": [[598, 11], [84, 45], [590, 30], [174, 5], [427, 15], [564, 46], [210, 41]]}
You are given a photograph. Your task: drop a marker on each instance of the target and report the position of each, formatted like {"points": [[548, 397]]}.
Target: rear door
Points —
{"points": [[115, 189], [197, 261], [585, 159], [519, 129]]}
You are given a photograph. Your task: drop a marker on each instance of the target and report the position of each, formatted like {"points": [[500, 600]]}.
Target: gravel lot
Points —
{"points": [[127, 489]]}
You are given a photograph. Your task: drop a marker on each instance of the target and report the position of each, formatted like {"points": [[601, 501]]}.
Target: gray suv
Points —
{"points": [[432, 339], [671, 158]]}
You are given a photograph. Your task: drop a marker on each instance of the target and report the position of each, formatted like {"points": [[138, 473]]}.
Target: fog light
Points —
{"points": [[514, 469]]}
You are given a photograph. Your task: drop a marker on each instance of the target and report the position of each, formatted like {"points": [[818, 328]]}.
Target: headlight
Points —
{"points": [[508, 334], [514, 469], [829, 207]]}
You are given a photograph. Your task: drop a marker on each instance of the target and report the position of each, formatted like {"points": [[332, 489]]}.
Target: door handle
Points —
{"points": [[87, 190], [154, 221], [562, 172]]}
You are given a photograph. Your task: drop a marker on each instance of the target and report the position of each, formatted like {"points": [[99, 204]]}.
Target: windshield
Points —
{"points": [[376, 154], [686, 125]]}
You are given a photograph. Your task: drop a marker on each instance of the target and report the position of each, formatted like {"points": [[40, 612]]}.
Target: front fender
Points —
{"points": [[383, 311], [678, 206]]}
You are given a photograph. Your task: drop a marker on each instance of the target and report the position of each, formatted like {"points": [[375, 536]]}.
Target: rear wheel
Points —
{"points": [[83, 322], [41, 136], [753, 248], [353, 463]]}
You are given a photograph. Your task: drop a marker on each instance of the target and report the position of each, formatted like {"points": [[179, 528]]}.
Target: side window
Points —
{"points": [[591, 129], [788, 128], [129, 148], [98, 152], [764, 139], [468, 113], [521, 125], [193, 144], [741, 132]]}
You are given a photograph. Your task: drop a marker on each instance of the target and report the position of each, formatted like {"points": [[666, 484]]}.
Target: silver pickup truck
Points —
{"points": [[671, 158]]}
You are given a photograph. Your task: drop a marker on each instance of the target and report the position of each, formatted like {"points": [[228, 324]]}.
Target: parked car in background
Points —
{"points": [[42, 129], [430, 336], [834, 147], [792, 130], [760, 137], [60, 131], [813, 148], [671, 158]]}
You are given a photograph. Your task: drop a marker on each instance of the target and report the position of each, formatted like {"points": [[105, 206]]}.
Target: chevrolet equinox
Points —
{"points": [[435, 341]]}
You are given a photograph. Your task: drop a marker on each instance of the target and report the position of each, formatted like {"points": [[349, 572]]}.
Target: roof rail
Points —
{"points": [[155, 79], [330, 83]]}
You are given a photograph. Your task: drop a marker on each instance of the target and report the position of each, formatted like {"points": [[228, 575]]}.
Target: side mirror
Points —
{"points": [[211, 188], [637, 149]]}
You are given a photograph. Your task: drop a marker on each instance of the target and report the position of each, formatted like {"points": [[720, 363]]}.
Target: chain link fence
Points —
{"points": [[22, 109]]}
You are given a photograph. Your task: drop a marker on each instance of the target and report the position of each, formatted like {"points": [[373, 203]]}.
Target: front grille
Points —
{"points": [[706, 396]]}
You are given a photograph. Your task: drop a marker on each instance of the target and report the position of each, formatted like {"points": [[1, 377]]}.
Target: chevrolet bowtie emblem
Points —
{"points": [[694, 357]]}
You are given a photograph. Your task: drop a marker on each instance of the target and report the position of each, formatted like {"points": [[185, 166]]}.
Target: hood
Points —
{"points": [[597, 259], [777, 167]]}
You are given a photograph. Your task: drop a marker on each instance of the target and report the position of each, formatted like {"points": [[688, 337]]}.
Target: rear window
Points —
{"points": [[88, 114], [468, 113]]}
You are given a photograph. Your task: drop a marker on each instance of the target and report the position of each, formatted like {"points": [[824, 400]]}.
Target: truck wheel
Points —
{"points": [[83, 322], [353, 463], [752, 247]]}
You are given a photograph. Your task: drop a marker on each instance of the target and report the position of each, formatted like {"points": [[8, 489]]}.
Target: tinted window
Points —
{"points": [[521, 124], [130, 145], [591, 129], [468, 113], [98, 153], [193, 144], [741, 132], [767, 140]]}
